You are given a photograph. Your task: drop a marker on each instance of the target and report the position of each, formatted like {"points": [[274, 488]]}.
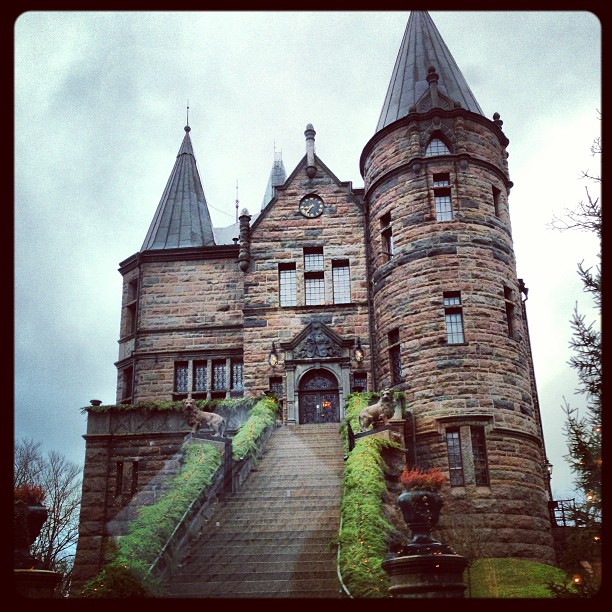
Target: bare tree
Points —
{"points": [[61, 480]]}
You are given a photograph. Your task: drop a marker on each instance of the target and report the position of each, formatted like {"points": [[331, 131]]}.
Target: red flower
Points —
{"points": [[30, 494], [429, 480]]}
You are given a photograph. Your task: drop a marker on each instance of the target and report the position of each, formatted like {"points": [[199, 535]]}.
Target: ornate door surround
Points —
{"points": [[317, 348]]}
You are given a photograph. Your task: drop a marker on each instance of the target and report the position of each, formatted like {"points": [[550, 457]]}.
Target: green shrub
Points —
{"points": [[202, 404], [363, 536], [246, 440], [513, 578]]}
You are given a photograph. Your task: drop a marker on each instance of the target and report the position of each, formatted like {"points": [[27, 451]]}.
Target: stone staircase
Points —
{"points": [[272, 537]]}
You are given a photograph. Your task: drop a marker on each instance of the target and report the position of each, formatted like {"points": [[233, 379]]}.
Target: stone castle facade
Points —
{"points": [[408, 283]]}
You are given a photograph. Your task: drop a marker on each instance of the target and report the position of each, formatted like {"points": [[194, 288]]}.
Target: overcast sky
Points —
{"points": [[100, 106]]}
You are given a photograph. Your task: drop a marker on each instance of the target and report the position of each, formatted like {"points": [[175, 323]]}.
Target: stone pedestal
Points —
{"points": [[36, 584], [416, 576]]}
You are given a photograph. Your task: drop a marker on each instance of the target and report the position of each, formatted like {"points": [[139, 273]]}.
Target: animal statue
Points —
{"points": [[378, 413], [200, 418]]}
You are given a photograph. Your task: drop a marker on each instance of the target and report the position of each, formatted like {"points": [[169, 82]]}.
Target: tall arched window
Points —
{"points": [[436, 147]]}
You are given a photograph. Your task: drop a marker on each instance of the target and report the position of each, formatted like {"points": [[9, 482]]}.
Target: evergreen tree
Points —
{"points": [[583, 431]]}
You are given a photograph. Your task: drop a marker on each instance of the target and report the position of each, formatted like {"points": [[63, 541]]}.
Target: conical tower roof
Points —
{"points": [[422, 47], [277, 177], [182, 218]]}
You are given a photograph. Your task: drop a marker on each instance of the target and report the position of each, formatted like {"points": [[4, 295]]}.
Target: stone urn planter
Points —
{"points": [[421, 511], [424, 567], [420, 504], [29, 515]]}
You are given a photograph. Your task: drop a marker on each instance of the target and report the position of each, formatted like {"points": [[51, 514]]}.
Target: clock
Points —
{"points": [[311, 206]]}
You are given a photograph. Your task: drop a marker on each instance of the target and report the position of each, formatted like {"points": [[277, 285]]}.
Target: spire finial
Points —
{"points": [[236, 200], [187, 128]]}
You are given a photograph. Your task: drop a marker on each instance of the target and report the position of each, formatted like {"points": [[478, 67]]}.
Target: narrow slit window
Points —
{"points": [[237, 375], [386, 234], [200, 376], [128, 385], [219, 375], [181, 377], [453, 317], [134, 478], [510, 312], [479, 453], [276, 385], [395, 357], [287, 284], [496, 201], [341, 281], [119, 478], [455, 462]]}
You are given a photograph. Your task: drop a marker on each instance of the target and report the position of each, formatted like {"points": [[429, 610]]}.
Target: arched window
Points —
{"points": [[436, 147]]}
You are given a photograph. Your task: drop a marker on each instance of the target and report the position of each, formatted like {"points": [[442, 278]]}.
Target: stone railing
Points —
{"points": [[229, 478]]}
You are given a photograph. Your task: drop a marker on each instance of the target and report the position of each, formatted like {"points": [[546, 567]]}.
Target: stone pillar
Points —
{"points": [[436, 575], [36, 584]]}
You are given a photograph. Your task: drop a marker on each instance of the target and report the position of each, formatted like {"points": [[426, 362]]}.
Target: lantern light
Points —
{"points": [[273, 356], [358, 353]]}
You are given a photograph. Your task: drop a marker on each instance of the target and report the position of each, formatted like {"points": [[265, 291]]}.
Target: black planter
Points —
{"points": [[27, 523]]}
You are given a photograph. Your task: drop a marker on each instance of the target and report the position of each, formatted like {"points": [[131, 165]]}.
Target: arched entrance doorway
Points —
{"points": [[319, 398]]}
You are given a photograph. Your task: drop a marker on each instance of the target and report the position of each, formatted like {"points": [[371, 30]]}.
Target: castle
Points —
{"points": [[408, 283]]}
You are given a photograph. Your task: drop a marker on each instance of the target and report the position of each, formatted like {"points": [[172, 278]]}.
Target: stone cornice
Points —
{"points": [[182, 354], [316, 309], [423, 162], [221, 251]]}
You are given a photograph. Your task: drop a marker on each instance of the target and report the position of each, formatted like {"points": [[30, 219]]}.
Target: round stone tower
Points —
{"points": [[447, 304]]}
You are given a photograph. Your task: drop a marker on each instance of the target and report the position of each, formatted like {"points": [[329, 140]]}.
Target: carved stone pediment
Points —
{"points": [[317, 341]]}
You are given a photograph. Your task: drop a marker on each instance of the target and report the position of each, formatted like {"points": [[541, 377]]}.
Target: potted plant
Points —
{"points": [[29, 516], [420, 504]]}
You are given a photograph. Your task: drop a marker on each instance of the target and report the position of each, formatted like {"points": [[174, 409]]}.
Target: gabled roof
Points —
{"points": [[422, 47], [182, 218]]}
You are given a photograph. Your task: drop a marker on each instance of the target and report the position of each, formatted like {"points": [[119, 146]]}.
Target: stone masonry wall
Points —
{"points": [[108, 503], [485, 381], [186, 309], [280, 236]]}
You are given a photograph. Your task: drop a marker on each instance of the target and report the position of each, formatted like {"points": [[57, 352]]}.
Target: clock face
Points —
{"points": [[311, 206]]}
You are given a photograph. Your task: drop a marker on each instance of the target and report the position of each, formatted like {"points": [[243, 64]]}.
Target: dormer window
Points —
{"points": [[436, 147]]}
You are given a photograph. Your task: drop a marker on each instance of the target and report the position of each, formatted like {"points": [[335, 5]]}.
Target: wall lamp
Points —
{"points": [[358, 353], [549, 468], [273, 356]]}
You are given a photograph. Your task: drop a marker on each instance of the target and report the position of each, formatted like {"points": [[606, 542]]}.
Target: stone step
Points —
{"points": [[269, 536], [329, 587], [291, 482], [283, 503], [286, 522], [269, 532], [279, 511], [264, 570], [274, 537], [285, 554]]}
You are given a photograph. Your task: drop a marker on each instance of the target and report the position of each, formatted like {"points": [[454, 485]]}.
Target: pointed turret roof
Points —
{"points": [[277, 177], [422, 47], [182, 218]]}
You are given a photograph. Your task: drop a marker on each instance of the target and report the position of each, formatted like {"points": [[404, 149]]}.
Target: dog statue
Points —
{"points": [[200, 418], [378, 413]]}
